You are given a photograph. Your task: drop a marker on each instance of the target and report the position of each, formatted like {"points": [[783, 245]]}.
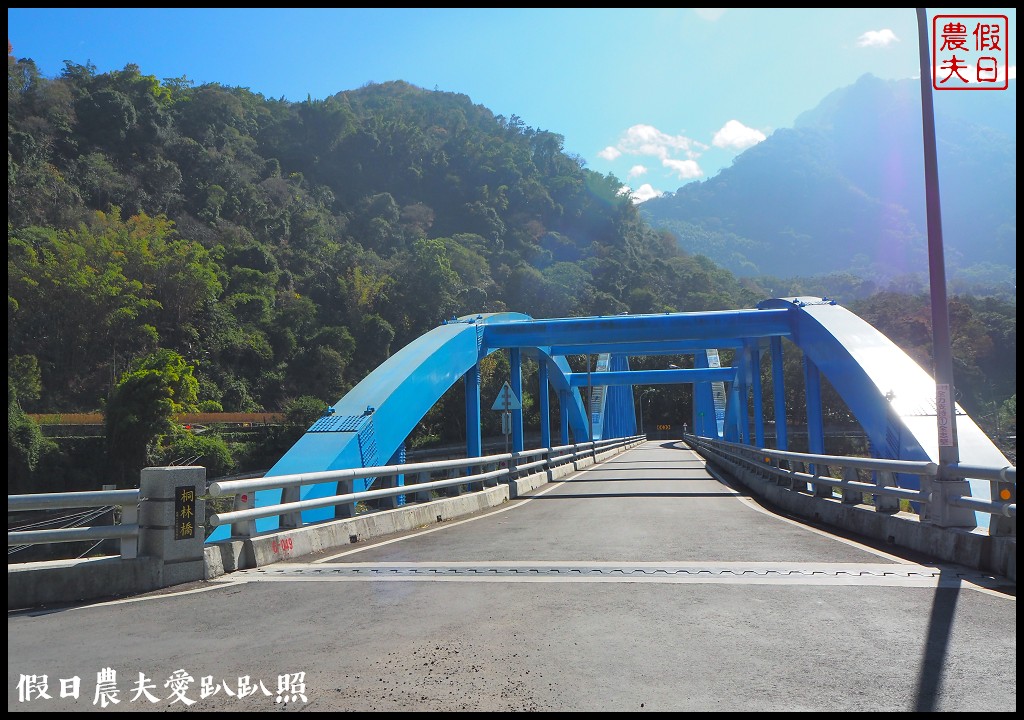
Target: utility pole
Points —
{"points": [[940, 510], [945, 396]]}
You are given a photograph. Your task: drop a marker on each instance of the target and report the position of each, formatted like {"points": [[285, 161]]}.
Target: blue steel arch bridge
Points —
{"points": [[890, 395]]}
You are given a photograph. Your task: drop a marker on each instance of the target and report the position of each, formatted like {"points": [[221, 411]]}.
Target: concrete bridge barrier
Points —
{"points": [[170, 549]]}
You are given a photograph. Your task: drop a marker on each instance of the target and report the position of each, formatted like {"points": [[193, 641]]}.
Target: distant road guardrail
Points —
{"points": [[223, 418]]}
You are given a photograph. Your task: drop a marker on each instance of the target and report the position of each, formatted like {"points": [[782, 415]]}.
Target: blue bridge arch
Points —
{"points": [[889, 394]]}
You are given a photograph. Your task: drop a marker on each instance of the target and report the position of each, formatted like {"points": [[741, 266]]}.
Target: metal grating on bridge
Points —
{"points": [[337, 423]]}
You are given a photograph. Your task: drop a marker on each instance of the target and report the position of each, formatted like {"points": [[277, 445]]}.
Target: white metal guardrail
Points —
{"points": [[127, 531], [798, 471], [817, 474], [492, 469]]}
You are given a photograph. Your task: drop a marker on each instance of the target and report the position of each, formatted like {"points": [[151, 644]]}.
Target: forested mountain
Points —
{"points": [[285, 249], [843, 192]]}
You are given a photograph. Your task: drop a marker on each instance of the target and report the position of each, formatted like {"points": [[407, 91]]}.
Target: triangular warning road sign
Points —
{"points": [[506, 400]]}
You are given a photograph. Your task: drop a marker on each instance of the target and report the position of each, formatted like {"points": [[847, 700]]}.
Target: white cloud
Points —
{"points": [[645, 192], [676, 153], [711, 14], [737, 136], [685, 169], [1013, 72], [877, 38], [649, 140]]}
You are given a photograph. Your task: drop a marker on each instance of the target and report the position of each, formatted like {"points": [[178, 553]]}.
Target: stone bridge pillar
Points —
{"points": [[172, 521]]}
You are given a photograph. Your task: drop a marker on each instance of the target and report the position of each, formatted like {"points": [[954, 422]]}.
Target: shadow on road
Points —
{"points": [[940, 629], [588, 496], [597, 476]]}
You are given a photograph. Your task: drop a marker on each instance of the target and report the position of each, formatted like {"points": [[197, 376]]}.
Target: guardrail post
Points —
{"points": [[172, 521], [391, 501], [851, 497], [113, 512], [940, 512], [886, 503], [758, 466], [479, 484], [796, 483], [1000, 525], [130, 545], [290, 520], [452, 490], [345, 510], [244, 528], [128, 515], [752, 463], [821, 489], [422, 496], [785, 477]]}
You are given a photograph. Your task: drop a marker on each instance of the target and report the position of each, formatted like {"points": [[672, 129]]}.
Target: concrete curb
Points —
{"points": [[56, 582], [51, 582]]}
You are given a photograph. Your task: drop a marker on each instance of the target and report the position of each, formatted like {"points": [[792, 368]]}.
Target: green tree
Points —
{"points": [[87, 301], [1008, 415], [141, 408], [26, 446], [23, 378], [182, 446], [303, 411], [430, 287]]}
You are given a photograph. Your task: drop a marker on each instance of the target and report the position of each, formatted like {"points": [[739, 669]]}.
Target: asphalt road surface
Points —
{"points": [[641, 584]]}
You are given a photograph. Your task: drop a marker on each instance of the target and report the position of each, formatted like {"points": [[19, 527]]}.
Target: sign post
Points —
{"points": [[506, 402]]}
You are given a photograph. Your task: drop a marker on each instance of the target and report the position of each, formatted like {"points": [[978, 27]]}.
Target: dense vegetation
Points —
{"points": [[286, 248], [173, 246]]}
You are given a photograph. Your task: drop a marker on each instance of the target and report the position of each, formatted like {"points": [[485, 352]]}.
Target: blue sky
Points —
{"points": [[658, 96]]}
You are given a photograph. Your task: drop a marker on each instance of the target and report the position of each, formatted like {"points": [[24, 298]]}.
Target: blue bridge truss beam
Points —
{"points": [[891, 396]]}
